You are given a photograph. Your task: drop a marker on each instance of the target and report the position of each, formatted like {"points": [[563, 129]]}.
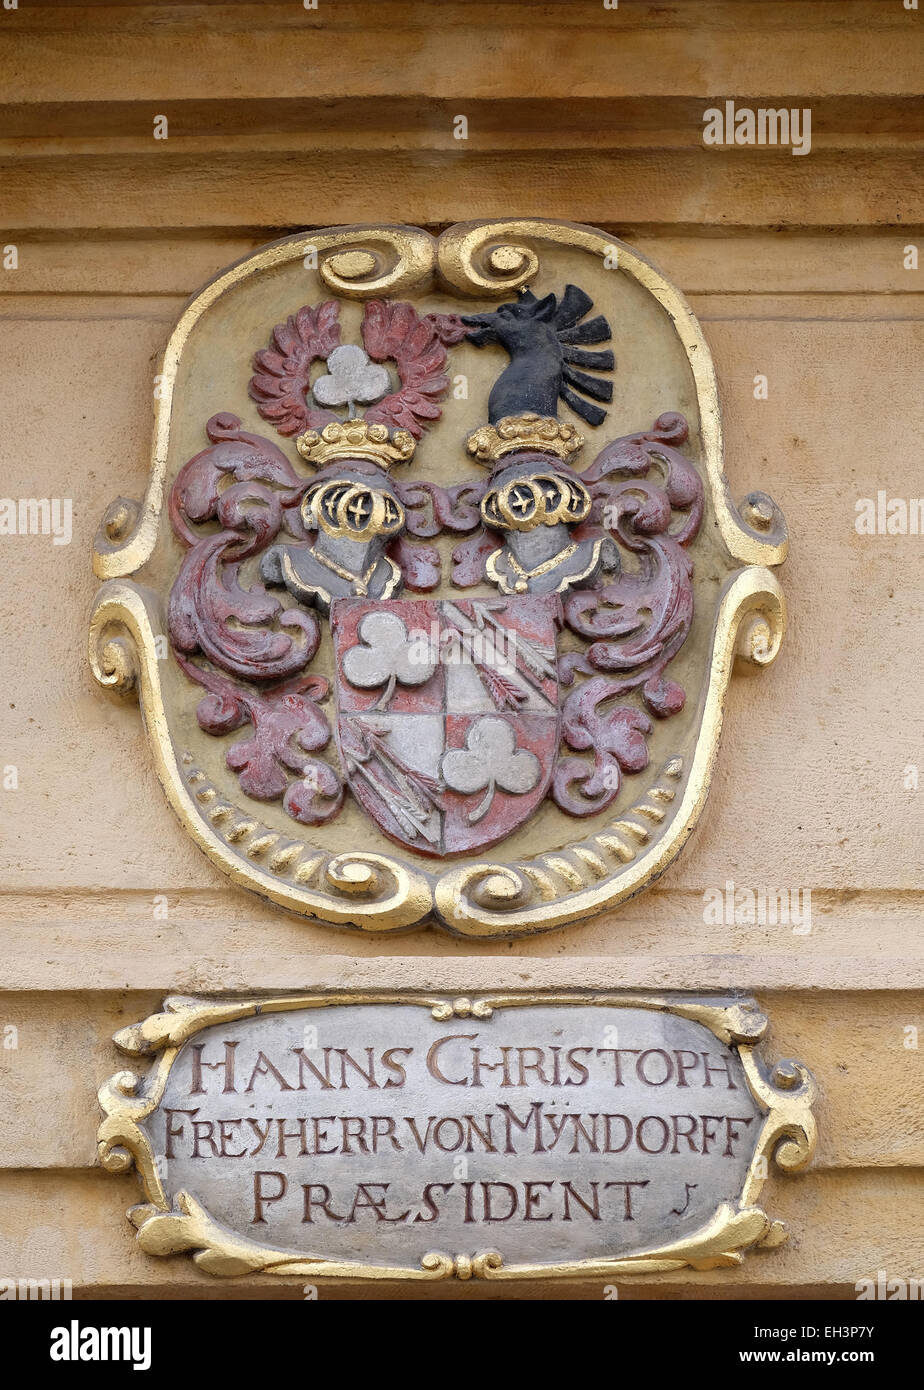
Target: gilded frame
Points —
{"points": [[786, 1093], [379, 892]]}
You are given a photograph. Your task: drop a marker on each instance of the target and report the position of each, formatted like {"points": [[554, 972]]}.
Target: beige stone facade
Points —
{"points": [[799, 269]]}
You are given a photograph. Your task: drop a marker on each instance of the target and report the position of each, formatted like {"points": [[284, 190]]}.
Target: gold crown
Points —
{"points": [[352, 439], [527, 431]]}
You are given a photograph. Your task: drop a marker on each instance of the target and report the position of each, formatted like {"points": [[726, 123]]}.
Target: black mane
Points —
{"points": [[545, 339]]}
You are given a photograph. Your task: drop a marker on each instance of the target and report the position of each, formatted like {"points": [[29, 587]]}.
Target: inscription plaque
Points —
{"points": [[510, 1136]]}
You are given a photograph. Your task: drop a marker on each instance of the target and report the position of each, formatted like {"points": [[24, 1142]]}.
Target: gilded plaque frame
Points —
{"points": [[786, 1093]]}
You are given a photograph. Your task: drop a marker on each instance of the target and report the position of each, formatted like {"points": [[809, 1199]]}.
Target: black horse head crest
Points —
{"points": [[544, 338]]}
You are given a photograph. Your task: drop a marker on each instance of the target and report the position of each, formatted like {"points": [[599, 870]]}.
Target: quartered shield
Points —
{"points": [[447, 715]]}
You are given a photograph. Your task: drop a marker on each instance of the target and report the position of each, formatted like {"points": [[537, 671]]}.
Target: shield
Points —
{"points": [[448, 719]]}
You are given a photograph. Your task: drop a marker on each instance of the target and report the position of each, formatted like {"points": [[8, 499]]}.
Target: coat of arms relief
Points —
{"points": [[438, 534]]}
